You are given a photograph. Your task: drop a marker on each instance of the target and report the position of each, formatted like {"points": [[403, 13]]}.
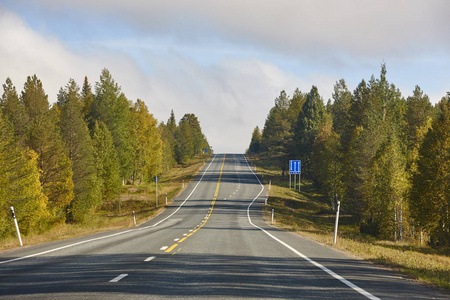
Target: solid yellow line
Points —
{"points": [[218, 182], [171, 248]]}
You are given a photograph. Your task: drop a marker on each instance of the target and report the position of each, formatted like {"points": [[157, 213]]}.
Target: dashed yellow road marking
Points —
{"points": [[207, 217]]}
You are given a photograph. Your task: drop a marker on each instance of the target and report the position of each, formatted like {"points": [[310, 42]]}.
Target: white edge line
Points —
{"points": [[118, 278], [64, 247], [150, 258], [325, 269], [187, 198], [111, 235]]}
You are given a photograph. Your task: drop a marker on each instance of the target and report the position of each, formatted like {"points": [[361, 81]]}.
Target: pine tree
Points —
{"points": [[75, 133], [43, 137]]}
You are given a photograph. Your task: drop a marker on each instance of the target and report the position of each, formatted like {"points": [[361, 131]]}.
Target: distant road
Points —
{"points": [[211, 242]]}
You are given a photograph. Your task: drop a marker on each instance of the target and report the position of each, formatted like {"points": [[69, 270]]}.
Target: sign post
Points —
{"points": [[295, 167]]}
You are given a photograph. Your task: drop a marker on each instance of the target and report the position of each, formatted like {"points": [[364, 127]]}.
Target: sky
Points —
{"points": [[225, 60]]}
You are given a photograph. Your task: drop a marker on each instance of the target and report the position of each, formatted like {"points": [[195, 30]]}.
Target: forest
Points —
{"points": [[384, 157], [60, 162]]}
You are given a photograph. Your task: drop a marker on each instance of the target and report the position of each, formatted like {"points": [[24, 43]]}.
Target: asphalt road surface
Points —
{"points": [[212, 242]]}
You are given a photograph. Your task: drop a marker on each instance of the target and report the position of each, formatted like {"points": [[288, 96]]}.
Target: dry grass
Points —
{"points": [[138, 198], [308, 213]]}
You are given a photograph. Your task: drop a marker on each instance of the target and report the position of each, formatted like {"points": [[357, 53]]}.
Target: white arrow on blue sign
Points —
{"points": [[295, 167]]}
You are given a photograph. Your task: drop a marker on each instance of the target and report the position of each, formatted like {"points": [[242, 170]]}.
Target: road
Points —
{"points": [[212, 242]]}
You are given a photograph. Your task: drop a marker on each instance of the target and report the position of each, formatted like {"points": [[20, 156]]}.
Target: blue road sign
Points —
{"points": [[206, 150], [295, 167]]}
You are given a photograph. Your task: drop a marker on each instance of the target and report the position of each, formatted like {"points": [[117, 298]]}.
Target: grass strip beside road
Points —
{"points": [[309, 214], [139, 198]]}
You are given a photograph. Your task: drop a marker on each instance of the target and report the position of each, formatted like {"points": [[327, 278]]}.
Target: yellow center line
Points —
{"points": [[171, 247], [209, 214]]}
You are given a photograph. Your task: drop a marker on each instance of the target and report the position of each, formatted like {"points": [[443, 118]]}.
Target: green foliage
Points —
{"points": [[19, 185], [278, 134], [386, 188], [430, 193], [147, 161], [13, 109], [111, 107], [78, 142], [43, 137], [184, 148], [86, 98], [107, 161], [340, 111], [189, 138], [59, 163], [327, 161], [255, 143], [168, 141], [308, 124], [363, 149]]}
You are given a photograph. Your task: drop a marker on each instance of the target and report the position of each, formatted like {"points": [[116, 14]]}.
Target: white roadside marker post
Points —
{"points": [[134, 218], [156, 190], [272, 215], [17, 225], [337, 221]]}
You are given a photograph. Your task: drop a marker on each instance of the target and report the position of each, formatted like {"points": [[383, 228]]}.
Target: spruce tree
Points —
{"points": [[255, 143], [308, 125], [78, 142], [277, 134], [13, 109], [168, 138], [111, 107], [184, 147], [86, 98], [43, 137]]}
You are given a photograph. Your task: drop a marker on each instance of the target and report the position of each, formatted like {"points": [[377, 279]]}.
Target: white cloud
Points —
{"points": [[229, 98], [295, 28], [225, 61]]}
